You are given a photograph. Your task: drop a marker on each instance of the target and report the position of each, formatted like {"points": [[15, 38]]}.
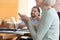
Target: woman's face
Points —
{"points": [[34, 12], [39, 2]]}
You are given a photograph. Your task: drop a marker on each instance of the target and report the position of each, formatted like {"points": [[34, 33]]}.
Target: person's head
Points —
{"points": [[45, 2], [35, 11]]}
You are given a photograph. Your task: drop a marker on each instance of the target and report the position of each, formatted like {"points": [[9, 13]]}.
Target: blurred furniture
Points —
{"points": [[12, 34], [5, 25], [8, 36], [1, 38], [8, 31]]}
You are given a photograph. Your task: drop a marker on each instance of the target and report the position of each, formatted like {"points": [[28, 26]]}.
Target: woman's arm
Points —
{"points": [[45, 23], [32, 30], [44, 26]]}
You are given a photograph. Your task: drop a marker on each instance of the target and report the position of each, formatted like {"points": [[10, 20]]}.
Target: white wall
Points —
{"points": [[24, 6], [31, 3]]}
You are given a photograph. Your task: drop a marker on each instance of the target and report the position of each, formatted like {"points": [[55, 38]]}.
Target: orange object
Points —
{"points": [[8, 8]]}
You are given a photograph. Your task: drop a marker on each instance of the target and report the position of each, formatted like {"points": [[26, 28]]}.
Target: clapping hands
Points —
{"points": [[24, 18]]}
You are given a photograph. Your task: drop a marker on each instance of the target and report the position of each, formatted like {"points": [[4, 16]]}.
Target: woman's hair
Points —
{"points": [[37, 9], [49, 2]]}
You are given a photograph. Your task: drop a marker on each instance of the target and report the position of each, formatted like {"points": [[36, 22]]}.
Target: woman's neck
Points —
{"points": [[36, 18]]}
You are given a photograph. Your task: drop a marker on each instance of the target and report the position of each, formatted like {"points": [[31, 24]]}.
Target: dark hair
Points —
{"points": [[37, 9]]}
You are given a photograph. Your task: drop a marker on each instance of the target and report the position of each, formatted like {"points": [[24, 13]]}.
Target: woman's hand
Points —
{"points": [[24, 18]]}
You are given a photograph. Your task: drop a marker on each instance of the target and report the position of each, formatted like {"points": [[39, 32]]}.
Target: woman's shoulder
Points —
{"points": [[52, 11]]}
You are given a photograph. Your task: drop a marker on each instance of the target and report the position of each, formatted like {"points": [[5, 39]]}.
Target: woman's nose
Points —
{"points": [[33, 12]]}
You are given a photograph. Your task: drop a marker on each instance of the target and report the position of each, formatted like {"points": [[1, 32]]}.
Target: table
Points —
{"points": [[20, 32]]}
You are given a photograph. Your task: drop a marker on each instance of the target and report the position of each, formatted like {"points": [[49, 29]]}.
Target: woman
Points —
{"points": [[48, 27], [35, 16]]}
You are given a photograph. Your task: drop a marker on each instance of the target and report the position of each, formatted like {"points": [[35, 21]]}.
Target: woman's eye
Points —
{"points": [[34, 11]]}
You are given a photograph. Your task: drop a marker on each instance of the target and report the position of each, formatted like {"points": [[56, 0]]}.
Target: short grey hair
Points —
{"points": [[49, 2]]}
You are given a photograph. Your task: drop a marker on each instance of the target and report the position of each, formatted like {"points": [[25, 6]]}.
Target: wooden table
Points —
{"points": [[17, 32]]}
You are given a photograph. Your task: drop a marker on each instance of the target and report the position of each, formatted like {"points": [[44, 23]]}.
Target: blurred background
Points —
{"points": [[9, 10]]}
